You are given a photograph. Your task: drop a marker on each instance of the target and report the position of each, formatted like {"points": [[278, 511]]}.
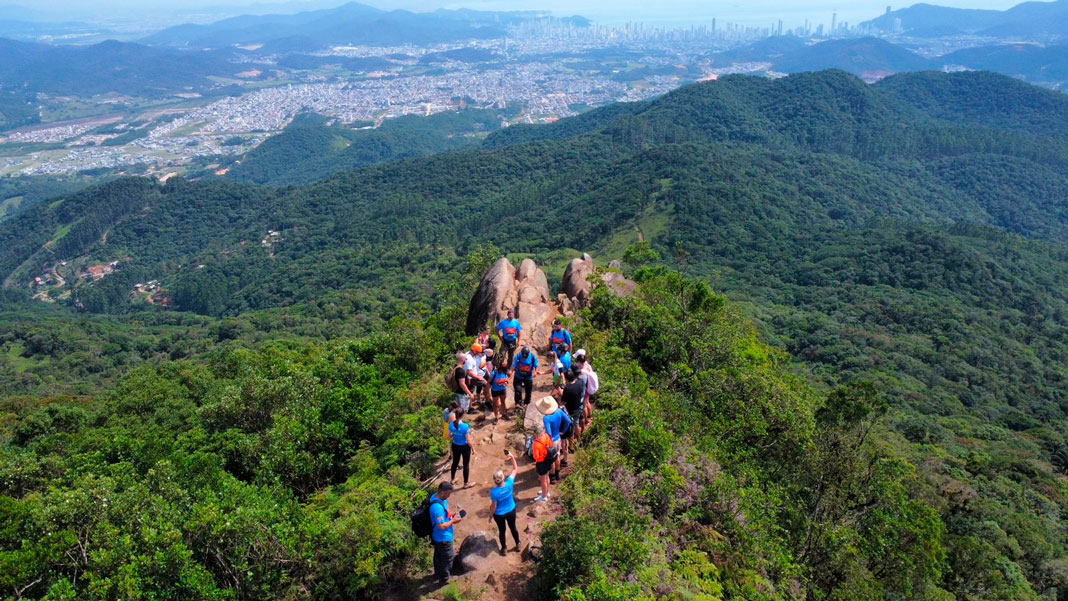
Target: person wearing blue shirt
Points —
{"points": [[502, 503], [499, 388], [442, 535], [509, 330], [559, 339], [525, 367], [555, 422], [461, 449]]}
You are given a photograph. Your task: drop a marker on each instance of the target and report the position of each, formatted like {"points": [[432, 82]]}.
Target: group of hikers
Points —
{"points": [[481, 377]]}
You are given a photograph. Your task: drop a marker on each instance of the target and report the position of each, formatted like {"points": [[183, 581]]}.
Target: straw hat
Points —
{"points": [[546, 405]]}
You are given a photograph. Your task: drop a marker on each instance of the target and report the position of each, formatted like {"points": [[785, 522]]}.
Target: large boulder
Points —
{"points": [[525, 289], [495, 295], [618, 284], [534, 308], [576, 284], [474, 552]]}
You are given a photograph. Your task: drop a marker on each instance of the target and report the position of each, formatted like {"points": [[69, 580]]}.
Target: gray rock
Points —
{"points": [[617, 284], [495, 295], [474, 552], [576, 284], [615, 264]]}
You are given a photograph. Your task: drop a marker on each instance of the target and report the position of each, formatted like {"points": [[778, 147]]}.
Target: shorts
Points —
{"points": [[477, 388], [577, 417], [543, 467], [499, 394]]}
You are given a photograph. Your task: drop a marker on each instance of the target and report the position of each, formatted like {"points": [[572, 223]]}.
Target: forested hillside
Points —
{"points": [[313, 148], [909, 234]]}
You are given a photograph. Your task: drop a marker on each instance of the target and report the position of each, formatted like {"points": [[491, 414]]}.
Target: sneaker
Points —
{"points": [[539, 498]]}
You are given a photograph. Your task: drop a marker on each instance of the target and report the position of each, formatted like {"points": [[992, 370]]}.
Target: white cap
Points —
{"points": [[580, 353]]}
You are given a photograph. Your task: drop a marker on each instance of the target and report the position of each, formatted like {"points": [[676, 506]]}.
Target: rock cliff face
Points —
{"points": [[526, 290]]}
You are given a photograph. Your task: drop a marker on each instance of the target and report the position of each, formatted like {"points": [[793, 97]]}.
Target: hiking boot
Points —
{"points": [[563, 464]]}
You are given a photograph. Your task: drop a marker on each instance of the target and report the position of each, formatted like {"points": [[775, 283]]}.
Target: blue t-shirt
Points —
{"points": [[502, 496], [499, 381], [459, 433], [509, 329], [565, 359], [439, 513], [525, 368], [555, 423], [562, 337]]}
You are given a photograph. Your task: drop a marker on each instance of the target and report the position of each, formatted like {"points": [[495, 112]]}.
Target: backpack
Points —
{"points": [[452, 382], [540, 448], [570, 425], [422, 525], [593, 383]]}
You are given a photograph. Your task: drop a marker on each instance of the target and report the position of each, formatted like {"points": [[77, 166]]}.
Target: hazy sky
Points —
{"points": [[661, 12]]}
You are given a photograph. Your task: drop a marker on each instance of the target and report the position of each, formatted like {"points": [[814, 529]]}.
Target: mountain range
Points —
{"points": [[1029, 19], [350, 24], [910, 234], [875, 58]]}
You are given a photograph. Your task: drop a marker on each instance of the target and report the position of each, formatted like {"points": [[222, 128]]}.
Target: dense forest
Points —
{"points": [[904, 243]]}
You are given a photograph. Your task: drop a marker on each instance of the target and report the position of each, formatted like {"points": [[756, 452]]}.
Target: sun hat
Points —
{"points": [[546, 405], [580, 353]]}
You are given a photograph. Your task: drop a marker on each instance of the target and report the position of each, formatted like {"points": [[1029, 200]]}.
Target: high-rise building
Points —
{"points": [[834, 22]]}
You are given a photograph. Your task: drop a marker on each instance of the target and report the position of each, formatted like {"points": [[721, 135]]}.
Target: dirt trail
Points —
{"points": [[502, 578]]}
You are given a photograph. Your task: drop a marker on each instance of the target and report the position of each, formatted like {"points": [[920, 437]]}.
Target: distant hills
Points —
{"points": [[1033, 19], [874, 58], [120, 67], [869, 58], [351, 24]]}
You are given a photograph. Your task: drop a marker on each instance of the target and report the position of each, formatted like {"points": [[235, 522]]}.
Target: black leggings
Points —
{"points": [[523, 386], [458, 451], [508, 518]]}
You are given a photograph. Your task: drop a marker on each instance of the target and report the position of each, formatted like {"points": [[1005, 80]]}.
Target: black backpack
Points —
{"points": [[422, 525]]}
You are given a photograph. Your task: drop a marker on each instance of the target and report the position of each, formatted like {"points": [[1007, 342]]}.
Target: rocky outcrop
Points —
{"points": [[525, 289], [474, 552], [495, 295], [535, 309], [576, 284], [618, 284]]}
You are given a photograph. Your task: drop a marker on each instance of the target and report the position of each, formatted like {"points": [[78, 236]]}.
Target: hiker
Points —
{"points": [[593, 382], [557, 425], [499, 389], [484, 337], [574, 401], [559, 339], [458, 382], [525, 367], [442, 535], [487, 372], [461, 448], [561, 365], [502, 502], [475, 365], [509, 330], [447, 417], [544, 454]]}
